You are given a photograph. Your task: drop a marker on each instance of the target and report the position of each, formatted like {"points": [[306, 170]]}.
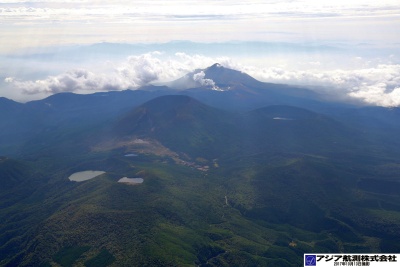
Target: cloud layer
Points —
{"points": [[134, 72], [127, 11], [376, 85], [26, 24]]}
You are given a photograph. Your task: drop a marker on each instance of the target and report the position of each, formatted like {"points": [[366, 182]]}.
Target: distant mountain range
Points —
{"points": [[235, 172], [237, 92]]}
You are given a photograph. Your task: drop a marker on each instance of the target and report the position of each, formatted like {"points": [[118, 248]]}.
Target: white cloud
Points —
{"points": [[199, 77], [134, 72], [378, 94], [78, 80], [9, 79], [377, 85]]}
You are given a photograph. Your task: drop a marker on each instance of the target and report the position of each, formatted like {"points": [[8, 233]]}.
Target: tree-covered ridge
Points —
{"points": [[240, 187]]}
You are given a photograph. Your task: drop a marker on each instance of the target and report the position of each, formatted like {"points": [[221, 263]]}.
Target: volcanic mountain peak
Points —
{"points": [[215, 67], [223, 76], [179, 122], [168, 108], [216, 77]]}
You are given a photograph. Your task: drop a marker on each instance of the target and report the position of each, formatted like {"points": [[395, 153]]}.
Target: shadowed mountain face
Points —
{"points": [[8, 105], [181, 123], [13, 174], [287, 128], [184, 124], [255, 175], [51, 116]]}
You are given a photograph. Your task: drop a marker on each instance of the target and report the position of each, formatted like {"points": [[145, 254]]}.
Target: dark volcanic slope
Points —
{"points": [[40, 121], [181, 123], [293, 129]]}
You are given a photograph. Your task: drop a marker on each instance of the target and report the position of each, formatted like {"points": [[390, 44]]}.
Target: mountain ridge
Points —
{"points": [[179, 121], [44, 117], [247, 177]]}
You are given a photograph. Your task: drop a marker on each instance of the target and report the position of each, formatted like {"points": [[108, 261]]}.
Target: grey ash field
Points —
{"points": [[251, 174]]}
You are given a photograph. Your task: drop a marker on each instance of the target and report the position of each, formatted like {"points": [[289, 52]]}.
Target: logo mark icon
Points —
{"points": [[310, 260]]}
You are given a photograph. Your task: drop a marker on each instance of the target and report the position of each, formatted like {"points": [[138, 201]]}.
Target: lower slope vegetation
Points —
{"points": [[219, 189]]}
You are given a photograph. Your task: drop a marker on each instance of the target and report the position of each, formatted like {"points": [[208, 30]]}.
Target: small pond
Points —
{"points": [[85, 175]]}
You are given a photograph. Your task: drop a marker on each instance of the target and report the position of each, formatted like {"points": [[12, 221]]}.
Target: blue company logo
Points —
{"points": [[311, 260]]}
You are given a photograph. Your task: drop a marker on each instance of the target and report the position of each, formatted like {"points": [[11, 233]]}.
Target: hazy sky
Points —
{"points": [[38, 23], [350, 46]]}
